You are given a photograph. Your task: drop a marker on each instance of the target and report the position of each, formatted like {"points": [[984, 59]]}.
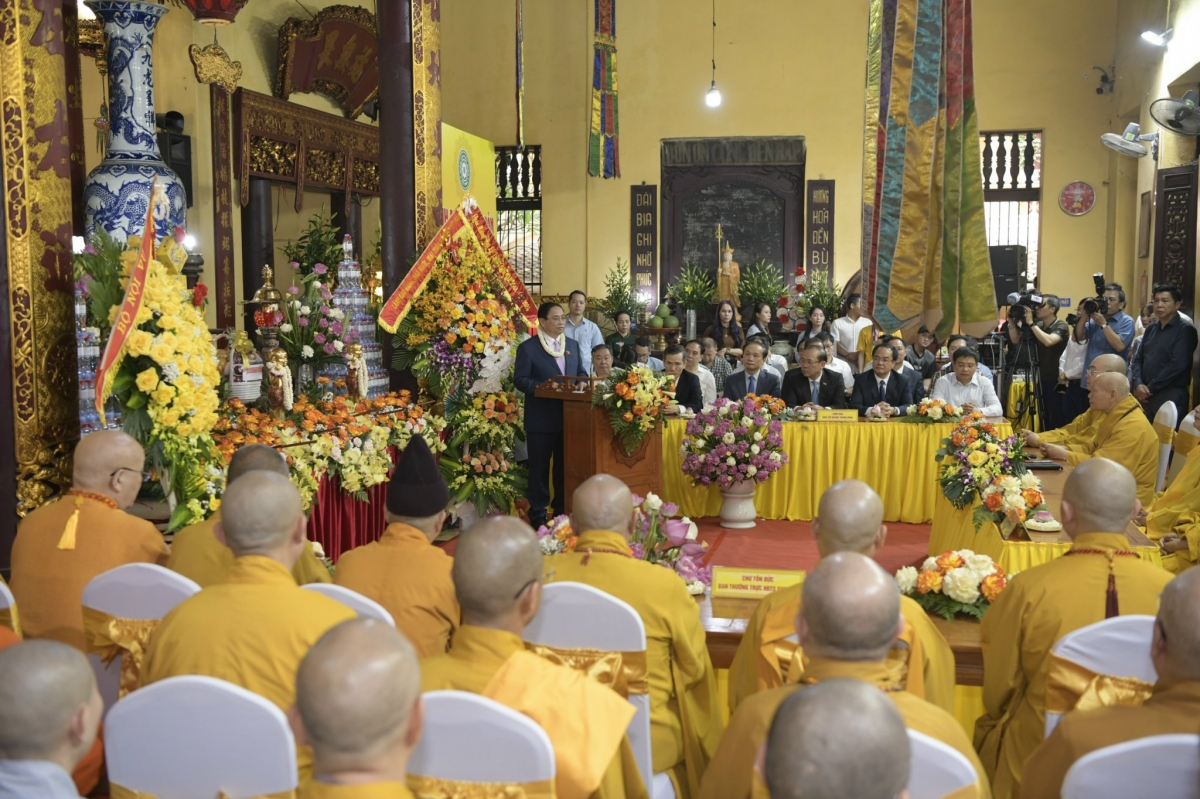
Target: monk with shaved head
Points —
{"points": [[1098, 578], [849, 519], [49, 713], [358, 705], [679, 669], [61, 546], [198, 555], [498, 578], [849, 620], [1083, 427], [255, 625]]}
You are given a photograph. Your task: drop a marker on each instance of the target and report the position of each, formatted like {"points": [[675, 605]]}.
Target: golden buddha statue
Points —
{"points": [[729, 274]]}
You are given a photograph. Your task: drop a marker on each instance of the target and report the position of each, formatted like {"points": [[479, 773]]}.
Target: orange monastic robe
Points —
{"points": [[198, 555], [48, 582], [410, 577], [1127, 437]]}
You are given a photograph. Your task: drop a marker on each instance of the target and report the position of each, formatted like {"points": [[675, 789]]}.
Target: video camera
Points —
{"points": [[1091, 305], [1022, 307]]}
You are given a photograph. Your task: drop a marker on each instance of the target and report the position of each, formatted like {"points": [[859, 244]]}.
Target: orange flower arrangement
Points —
{"points": [[992, 585], [929, 581], [954, 582]]}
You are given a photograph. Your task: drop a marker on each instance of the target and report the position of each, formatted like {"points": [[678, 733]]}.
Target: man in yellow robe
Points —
{"points": [[1098, 578], [1174, 518], [358, 705], [1123, 435], [252, 628], [198, 555], [1174, 706], [685, 719], [61, 546], [849, 519], [849, 620], [403, 570], [1083, 427], [498, 578]]}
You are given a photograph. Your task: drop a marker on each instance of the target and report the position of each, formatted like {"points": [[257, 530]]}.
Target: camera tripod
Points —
{"points": [[1029, 407]]}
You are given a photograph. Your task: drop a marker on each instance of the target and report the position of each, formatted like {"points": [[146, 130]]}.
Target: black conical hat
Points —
{"points": [[417, 488]]}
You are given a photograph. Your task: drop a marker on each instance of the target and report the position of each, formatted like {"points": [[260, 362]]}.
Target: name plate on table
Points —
{"points": [[837, 415], [730, 581]]}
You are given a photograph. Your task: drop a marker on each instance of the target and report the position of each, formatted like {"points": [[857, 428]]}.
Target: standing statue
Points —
{"points": [[279, 391], [357, 378], [728, 276]]}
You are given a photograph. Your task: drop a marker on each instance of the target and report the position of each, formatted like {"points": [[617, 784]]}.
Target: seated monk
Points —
{"points": [[403, 570], [253, 627], [1098, 578], [849, 620], [1083, 427], [677, 661], [1174, 518], [50, 711], [840, 737], [498, 577], [61, 546], [849, 519], [198, 555], [1123, 436], [358, 706], [1173, 707]]}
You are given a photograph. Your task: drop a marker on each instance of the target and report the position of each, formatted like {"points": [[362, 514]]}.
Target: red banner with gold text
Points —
{"points": [[505, 275], [396, 308]]}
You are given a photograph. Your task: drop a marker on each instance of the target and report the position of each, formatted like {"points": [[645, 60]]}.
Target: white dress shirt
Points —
{"points": [[979, 392], [845, 331], [843, 369], [708, 384], [587, 335]]}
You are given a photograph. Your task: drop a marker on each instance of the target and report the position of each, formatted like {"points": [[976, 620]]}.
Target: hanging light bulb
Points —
{"points": [[712, 97]]}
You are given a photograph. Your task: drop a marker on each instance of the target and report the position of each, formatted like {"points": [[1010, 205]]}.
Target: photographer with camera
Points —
{"points": [[1103, 325], [1162, 369], [1037, 316]]}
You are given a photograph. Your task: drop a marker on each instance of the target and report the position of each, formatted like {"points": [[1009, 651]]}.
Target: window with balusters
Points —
{"points": [[1011, 161], [519, 210]]}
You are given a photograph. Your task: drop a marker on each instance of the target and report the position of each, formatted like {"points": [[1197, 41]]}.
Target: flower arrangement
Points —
{"points": [[1009, 501], [320, 243], [634, 398], [166, 379], [972, 457], [761, 282], [619, 296], [693, 290], [958, 582], [485, 477], [932, 411], [556, 536], [312, 331], [733, 441]]}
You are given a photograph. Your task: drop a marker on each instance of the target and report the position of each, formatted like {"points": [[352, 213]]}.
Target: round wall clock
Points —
{"points": [[1077, 198]]}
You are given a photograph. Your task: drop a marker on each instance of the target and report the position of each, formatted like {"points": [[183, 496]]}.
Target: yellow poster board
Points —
{"points": [[468, 167], [730, 581]]}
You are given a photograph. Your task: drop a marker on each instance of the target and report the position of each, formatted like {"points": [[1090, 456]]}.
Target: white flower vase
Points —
{"points": [[737, 507]]}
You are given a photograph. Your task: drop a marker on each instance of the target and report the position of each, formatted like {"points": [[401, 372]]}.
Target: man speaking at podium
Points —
{"points": [[547, 354]]}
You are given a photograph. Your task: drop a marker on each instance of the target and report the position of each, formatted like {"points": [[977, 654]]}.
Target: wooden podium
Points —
{"points": [[590, 446]]}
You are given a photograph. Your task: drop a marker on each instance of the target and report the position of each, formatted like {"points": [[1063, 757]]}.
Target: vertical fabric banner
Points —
{"points": [[468, 170], [603, 156], [924, 247]]}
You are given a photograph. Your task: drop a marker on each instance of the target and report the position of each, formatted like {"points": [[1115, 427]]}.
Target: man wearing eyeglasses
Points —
{"points": [[61, 546], [812, 385], [1084, 426]]}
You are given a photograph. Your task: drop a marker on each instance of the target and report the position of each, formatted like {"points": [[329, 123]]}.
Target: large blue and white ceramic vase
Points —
{"points": [[118, 191]]}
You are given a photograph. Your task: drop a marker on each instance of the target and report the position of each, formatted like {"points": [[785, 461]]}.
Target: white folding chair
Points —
{"points": [[1187, 434], [937, 768], [362, 605], [132, 591], [578, 616], [7, 600], [194, 737], [1118, 647], [471, 738], [1167, 417], [1162, 766]]}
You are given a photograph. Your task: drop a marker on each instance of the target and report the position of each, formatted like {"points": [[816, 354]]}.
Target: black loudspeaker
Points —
{"points": [[1008, 270], [176, 152]]}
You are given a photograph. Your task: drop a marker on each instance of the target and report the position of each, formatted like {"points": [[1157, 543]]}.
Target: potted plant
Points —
{"points": [[320, 243], [619, 296], [761, 282], [692, 291]]}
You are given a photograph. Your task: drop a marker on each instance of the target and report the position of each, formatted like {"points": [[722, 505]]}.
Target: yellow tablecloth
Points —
{"points": [[894, 458], [953, 529], [1016, 396]]}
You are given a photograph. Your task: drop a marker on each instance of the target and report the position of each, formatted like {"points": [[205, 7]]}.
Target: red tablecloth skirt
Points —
{"points": [[339, 522]]}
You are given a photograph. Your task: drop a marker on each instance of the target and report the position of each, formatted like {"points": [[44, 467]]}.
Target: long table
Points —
{"points": [[895, 458]]}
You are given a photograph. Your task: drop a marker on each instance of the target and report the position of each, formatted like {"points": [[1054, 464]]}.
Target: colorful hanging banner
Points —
{"points": [[603, 156]]}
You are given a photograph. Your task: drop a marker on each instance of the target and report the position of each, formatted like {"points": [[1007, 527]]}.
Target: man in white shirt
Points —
{"points": [[967, 388], [835, 363], [585, 332], [845, 330], [694, 352]]}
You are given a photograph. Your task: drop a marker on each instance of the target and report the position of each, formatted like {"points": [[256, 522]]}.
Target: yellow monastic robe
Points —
{"points": [[685, 719], [1073, 434], [411, 578], [373, 790], [48, 582], [763, 657], [1177, 510], [729, 773], [252, 629], [1040, 606], [481, 661], [1126, 436], [1174, 707], [198, 555], [9, 616]]}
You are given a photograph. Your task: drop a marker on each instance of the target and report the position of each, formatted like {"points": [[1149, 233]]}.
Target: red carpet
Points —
{"points": [[777, 544]]}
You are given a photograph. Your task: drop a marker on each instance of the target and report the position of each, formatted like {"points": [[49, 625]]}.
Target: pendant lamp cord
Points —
{"points": [[714, 39]]}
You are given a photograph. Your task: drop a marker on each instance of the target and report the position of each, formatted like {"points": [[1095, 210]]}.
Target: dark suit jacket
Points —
{"points": [[766, 383], [534, 367], [866, 392], [687, 391], [830, 394]]}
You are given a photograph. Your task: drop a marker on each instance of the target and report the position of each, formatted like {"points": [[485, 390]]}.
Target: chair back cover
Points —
{"points": [[362, 605], [470, 738], [937, 768], [8, 604], [1164, 424], [1188, 436], [1162, 766], [199, 737]]}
